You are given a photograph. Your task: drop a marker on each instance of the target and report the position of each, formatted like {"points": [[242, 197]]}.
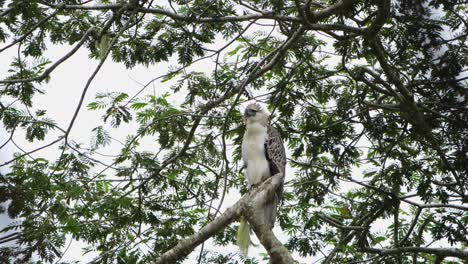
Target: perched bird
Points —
{"points": [[264, 156]]}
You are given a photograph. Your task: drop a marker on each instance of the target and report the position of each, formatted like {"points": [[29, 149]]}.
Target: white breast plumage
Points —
{"points": [[253, 154]]}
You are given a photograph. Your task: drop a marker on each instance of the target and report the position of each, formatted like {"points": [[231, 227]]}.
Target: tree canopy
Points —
{"points": [[369, 96]]}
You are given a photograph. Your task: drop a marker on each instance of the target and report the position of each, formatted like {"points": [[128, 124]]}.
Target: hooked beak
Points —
{"points": [[250, 112]]}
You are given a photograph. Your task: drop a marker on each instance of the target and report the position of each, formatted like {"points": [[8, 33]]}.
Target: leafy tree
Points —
{"points": [[369, 96]]}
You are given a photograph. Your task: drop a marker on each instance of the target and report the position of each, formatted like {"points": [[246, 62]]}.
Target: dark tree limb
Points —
{"points": [[277, 251], [411, 228], [440, 252]]}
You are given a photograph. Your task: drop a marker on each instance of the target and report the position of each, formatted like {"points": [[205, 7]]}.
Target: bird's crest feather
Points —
{"points": [[255, 106]]}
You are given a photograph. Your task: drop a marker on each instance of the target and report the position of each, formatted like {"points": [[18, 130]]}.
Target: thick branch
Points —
{"points": [[179, 17], [383, 13], [336, 8], [277, 251], [187, 245], [317, 15]]}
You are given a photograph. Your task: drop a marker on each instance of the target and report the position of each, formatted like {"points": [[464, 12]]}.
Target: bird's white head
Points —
{"points": [[254, 113]]}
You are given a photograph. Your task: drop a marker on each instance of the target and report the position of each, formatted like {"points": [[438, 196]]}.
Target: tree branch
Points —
{"points": [[49, 70], [411, 228], [317, 15], [277, 251], [443, 252], [258, 196], [40, 23]]}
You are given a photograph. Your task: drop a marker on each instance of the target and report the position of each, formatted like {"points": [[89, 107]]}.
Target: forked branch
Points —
{"points": [[255, 197]]}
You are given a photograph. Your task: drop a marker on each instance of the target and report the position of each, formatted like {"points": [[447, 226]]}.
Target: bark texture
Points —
{"points": [[255, 198]]}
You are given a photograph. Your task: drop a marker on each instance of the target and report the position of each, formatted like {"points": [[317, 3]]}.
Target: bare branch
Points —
{"points": [[443, 252], [454, 206], [411, 228], [49, 70], [32, 151]]}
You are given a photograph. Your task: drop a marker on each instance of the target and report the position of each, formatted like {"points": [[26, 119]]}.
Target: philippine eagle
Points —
{"points": [[263, 156]]}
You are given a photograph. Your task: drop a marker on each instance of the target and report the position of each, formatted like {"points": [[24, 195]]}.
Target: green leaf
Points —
{"points": [[234, 51], [138, 105]]}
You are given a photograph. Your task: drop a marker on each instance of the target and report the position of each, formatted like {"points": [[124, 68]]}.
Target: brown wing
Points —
{"points": [[276, 156]]}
